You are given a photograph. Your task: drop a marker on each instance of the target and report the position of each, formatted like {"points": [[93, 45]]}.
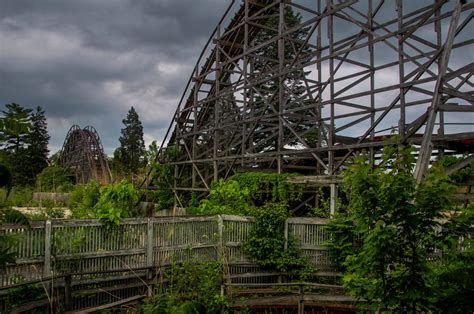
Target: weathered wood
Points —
{"points": [[47, 249], [315, 180], [109, 305]]}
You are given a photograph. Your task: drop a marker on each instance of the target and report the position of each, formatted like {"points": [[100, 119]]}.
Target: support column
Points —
{"points": [[47, 248], [281, 65], [333, 200]]}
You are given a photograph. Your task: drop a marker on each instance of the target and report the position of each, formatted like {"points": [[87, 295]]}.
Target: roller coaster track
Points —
{"points": [[271, 95], [84, 156]]}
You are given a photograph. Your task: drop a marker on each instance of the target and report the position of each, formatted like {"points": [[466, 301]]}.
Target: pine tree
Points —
{"points": [[14, 135], [16, 121], [132, 147], [37, 141]]}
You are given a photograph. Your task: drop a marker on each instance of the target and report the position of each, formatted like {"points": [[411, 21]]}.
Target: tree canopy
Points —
{"points": [[131, 152]]}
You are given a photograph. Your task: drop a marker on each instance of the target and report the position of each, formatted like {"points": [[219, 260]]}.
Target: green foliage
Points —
{"points": [[163, 177], [266, 240], [244, 191], [163, 180], [344, 236], [116, 201], [83, 199], [7, 242], [459, 175], [54, 179], [398, 222], [192, 287], [225, 197], [37, 142], [25, 294], [269, 187], [19, 196], [24, 140], [131, 152]]}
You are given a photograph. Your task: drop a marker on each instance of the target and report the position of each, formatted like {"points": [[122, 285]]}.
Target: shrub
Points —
{"points": [[54, 179], [116, 201]]}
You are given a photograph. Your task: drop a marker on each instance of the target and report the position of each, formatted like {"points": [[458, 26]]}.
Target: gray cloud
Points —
{"points": [[86, 62]]}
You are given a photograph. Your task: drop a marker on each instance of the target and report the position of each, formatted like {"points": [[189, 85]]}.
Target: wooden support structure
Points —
{"points": [[278, 87]]}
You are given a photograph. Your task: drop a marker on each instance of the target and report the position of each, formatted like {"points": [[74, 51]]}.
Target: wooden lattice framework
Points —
{"points": [[84, 156], [361, 72]]}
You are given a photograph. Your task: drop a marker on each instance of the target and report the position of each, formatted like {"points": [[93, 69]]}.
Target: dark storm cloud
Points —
{"points": [[86, 62]]}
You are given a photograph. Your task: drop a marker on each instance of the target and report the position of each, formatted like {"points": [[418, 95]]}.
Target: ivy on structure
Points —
{"points": [[163, 177], [266, 243], [244, 191], [269, 187]]}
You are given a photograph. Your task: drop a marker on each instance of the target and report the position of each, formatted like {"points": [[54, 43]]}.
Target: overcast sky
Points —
{"points": [[87, 61]]}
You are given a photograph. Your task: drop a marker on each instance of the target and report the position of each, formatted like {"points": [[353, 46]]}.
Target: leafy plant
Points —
{"points": [[399, 223], [116, 201], [191, 287], [83, 199], [54, 179], [225, 197], [266, 240], [8, 215]]}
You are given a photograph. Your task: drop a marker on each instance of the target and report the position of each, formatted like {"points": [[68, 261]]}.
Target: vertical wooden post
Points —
{"points": [[67, 293], [47, 249], [220, 230], [149, 248], [333, 200], [301, 300]]}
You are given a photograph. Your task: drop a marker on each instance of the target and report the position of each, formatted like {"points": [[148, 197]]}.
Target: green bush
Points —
{"points": [[400, 225], [192, 287], [19, 196], [83, 199], [54, 179], [116, 201], [266, 241]]}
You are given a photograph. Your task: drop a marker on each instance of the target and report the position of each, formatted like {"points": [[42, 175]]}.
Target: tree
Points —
{"points": [[132, 147], [37, 141], [399, 224], [15, 127], [14, 135]]}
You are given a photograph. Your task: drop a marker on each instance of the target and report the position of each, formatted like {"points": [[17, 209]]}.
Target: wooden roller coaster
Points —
{"points": [[271, 94], [83, 155]]}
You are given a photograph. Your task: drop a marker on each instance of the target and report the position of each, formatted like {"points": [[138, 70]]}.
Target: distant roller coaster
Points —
{"points": [[83, 155]]}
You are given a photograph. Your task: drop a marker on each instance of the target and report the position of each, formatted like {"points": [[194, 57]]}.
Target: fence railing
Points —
{"points": [[50, 248]]}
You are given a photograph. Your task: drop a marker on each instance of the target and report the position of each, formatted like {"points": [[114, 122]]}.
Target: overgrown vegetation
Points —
{"points": [[401, 227], [266, 197], [189, 287], [54, 179], [266, 243], [116, 201]]}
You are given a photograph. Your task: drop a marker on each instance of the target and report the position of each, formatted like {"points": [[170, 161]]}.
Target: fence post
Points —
{"points": [[47, 249], [333, 200], [220, 228], [67, 293], [149, 247], [286, 235]]}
